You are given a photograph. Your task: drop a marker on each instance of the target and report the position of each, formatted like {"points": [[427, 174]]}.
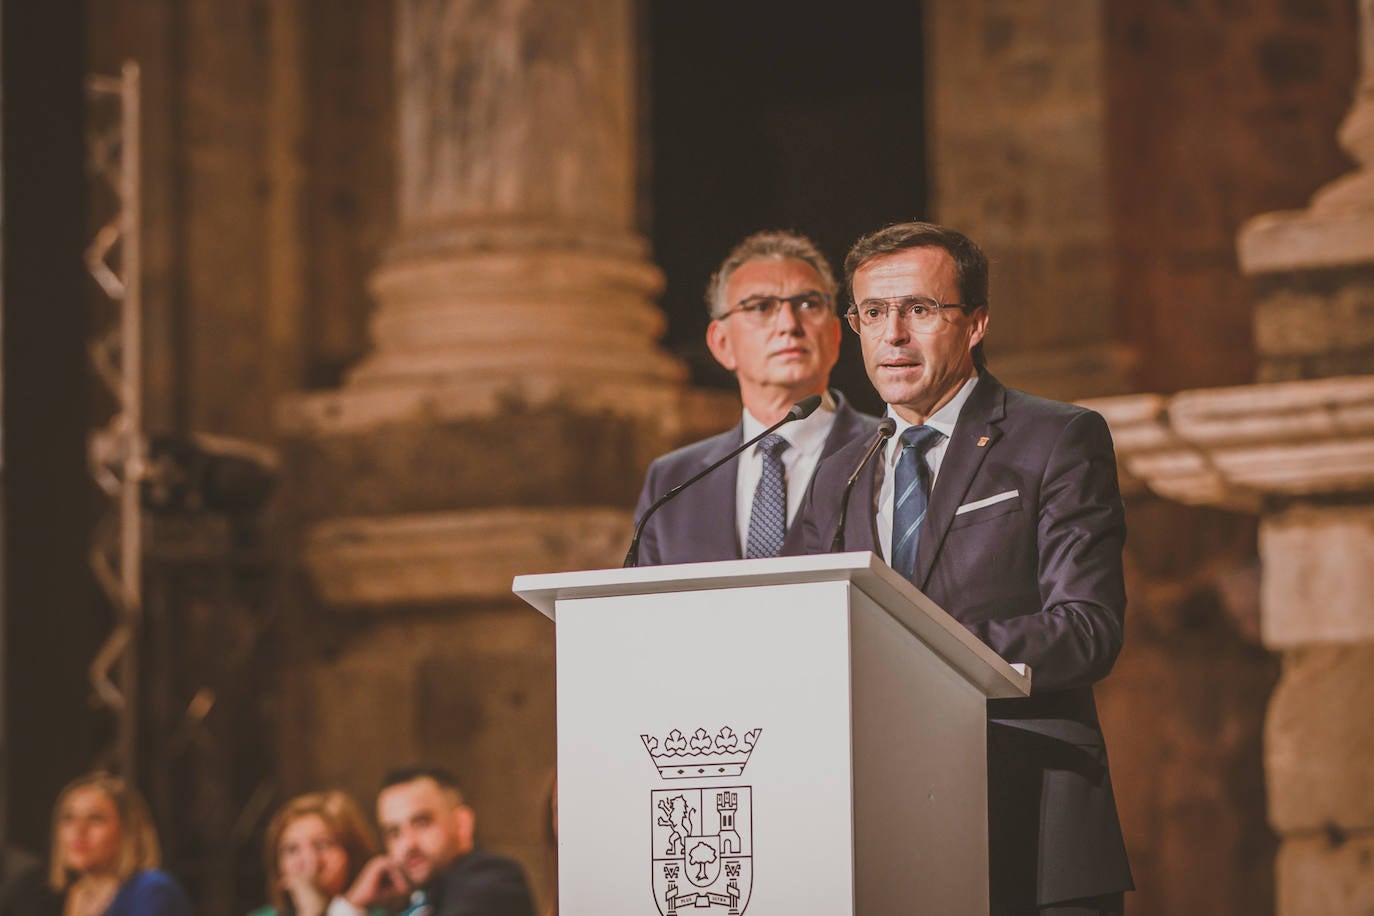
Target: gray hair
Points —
{"points": [[772, 244]]}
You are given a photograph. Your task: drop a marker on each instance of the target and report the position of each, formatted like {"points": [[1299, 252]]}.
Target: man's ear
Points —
{"points": [[718, 340], [465, 824], [980, 326]]}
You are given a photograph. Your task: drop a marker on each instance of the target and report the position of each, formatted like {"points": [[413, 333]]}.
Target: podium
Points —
{"points": [[800, 735]]}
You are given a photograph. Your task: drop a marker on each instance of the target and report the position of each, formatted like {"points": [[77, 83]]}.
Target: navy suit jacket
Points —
{"points": [[481, 884], [1038, 577], [698, 526]]}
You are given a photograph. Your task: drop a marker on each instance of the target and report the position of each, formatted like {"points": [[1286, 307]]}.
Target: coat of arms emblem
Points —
{"points": [[702, 837]]}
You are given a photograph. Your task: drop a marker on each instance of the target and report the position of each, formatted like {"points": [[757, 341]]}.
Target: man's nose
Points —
{"points": [[788, 319], [402, 843], [894, 329]]}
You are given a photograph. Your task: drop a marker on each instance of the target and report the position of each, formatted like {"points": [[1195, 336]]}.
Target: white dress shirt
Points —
{"points": [[799, 460], [943, 420]]}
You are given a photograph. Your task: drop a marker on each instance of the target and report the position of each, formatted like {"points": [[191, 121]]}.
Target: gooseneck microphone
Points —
{"points": [[886, 428], [800, 411]]}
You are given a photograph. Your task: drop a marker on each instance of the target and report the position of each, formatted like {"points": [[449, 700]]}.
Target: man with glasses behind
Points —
{"points": [[1004, 509], [773, 324]]}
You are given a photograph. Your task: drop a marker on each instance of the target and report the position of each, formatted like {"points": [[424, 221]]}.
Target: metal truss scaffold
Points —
{"points": [[117, 451]]}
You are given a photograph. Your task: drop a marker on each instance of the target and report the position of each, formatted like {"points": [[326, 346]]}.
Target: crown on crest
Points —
{"points": [[679, 757]]}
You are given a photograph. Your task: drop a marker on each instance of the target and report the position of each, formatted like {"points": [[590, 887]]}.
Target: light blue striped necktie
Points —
{"points": [[419, 905], [911, 495], [768, 516]]}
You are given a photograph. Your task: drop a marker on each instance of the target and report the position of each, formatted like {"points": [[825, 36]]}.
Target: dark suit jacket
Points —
{"points": [[481, 884], [1038, 578], [698, 526]]}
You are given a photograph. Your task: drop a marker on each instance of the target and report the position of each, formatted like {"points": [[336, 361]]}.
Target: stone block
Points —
{"points": [[1318, 583], [516, 458], [363, 724], [464, 557], [1326, 875], [1308, 320], [491, 716], [1319, 741]]}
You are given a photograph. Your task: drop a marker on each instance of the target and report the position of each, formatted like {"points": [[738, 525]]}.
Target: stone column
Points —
{"points": [[516, 271], [502, 419], [1300, 454], [1314, 268]]}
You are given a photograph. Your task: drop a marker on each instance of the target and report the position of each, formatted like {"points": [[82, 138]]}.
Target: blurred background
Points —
{"points": [[324, 318]]}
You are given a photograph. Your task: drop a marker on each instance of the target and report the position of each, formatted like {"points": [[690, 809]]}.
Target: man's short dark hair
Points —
{"points": [[970, 264], [771, 244], [398, 776]]}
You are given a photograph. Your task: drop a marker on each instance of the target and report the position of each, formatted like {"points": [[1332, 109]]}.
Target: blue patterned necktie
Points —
{"points": [[911, 496], [768, 517]]}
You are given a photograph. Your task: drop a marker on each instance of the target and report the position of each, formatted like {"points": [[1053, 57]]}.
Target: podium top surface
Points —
{"points": [[917, 613]]}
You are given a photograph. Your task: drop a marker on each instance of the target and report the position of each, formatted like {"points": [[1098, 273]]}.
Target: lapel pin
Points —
{"points": [[982, 441]]}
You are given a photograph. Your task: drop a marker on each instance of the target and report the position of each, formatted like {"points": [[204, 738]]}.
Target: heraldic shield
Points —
{"points": [[703, 850]]}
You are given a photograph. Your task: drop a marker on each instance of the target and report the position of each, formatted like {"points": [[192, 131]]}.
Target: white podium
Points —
{"points": [[801, 735]]}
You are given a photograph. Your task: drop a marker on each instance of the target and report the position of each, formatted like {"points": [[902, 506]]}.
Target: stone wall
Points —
{"points": [[1217, 112], [1183, 712], [1018, 122]]}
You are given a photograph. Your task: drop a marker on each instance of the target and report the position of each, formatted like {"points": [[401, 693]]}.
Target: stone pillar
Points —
{"points": [[1314, 276], [516, 267], [1018, 124], [1314, 268], [500, 423], [1300, 454]]}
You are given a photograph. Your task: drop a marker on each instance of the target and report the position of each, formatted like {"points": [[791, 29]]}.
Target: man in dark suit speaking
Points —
{"points": [[1004, 509], [773, 323]]}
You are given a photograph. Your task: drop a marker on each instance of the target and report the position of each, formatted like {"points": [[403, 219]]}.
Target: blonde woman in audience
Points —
{"points": [[105, 853], [315, 847]]}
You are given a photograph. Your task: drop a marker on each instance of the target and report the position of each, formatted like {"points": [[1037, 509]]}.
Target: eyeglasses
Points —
{"points": [[763, 310], [919, 313]]}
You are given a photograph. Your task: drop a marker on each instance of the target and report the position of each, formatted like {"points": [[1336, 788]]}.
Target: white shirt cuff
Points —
{"points": [[341, 907]]}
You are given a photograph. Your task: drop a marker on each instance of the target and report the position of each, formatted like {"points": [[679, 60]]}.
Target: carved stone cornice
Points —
{"points": [[1235, 447], [462, 556]]}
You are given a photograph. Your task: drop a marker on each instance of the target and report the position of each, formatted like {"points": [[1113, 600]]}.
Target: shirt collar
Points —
{"points": [[805, 434], [943, 419]]}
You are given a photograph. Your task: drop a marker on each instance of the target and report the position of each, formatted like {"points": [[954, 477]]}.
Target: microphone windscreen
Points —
{"points": [[805, 407], [886, 427]]}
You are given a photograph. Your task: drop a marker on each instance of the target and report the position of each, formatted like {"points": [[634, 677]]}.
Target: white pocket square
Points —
{"points": [[988, 501]]}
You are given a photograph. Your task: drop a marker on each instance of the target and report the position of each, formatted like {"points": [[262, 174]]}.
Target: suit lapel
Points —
{"points": [[964, 456], [848, 425], [716, 526]]}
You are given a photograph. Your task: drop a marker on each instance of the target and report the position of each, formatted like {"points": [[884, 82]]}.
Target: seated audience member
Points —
{"points": [[430, 855], [315, 847], [105, 853]]}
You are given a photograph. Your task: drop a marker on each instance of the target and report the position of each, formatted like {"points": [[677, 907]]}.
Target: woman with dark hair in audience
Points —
{"points": [[315, 847], [105, 854]]}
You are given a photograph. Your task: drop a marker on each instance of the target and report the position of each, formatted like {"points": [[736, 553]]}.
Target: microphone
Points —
{"points": [[799, 411], [885, 430]]}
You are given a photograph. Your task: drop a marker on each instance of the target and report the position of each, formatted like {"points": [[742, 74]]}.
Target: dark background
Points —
{"points": [[779, 120]]}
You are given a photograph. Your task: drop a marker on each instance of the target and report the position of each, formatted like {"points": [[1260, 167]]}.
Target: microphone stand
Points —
{"points": [[885, 430], [800, 410]]}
